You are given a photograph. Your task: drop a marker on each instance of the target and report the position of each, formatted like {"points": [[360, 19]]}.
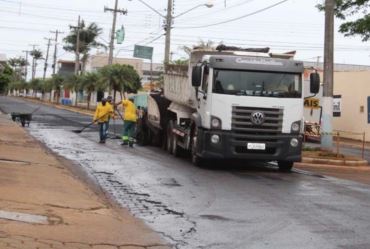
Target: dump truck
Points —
{"points": [[230, 103]]}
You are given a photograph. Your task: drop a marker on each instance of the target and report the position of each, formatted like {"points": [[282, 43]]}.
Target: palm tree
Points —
{"points": [[90, 83], [88, 40], [18, 64], [36, 55], [121, 78]]}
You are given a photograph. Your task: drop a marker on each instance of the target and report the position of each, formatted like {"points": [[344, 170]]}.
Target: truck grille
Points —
{"points": [[245, 131]]}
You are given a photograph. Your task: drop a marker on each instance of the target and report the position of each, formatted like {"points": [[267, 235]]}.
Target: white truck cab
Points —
{"points": [[228, 105]]}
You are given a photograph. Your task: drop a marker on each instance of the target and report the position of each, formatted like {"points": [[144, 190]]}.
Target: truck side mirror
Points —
{"points": [[314, 83], [196, 77]]}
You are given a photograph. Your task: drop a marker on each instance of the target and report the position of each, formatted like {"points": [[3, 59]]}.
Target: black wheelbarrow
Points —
{"points": [[23, 118]]}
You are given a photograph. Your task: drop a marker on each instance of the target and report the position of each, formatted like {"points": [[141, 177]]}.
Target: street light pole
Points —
{"points": [[113, 31], [77, 49], [327, 103]]}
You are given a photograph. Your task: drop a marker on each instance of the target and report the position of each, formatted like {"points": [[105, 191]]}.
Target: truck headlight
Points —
{"points": [[296, 127], [215, 139], [216, 123], [294, 142]]}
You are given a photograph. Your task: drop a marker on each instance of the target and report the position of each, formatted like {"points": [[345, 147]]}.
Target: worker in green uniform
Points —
{"points": [[129, 119]]}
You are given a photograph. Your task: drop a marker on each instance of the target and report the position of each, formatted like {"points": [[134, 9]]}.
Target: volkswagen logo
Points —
{"points": [[258, 118]]}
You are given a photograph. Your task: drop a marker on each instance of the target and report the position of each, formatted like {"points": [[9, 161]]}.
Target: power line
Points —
{"points": [[64, 9], [223, 9], [155, 39], [237, 18]]}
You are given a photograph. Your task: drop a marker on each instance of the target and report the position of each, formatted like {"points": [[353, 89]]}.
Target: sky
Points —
{"points": [[291, 25]]}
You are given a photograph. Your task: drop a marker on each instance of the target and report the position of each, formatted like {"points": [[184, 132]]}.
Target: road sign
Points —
{"points": [[143, 52], [312, 103], [120, 35]]}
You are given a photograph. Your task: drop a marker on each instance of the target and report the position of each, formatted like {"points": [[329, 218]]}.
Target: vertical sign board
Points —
{"points": [[368, 110], [143, 52], [337, 105]]}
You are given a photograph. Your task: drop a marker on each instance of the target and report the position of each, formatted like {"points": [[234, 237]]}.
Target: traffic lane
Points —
{"points": [[54, 117], [231, 207], [42, 113]]}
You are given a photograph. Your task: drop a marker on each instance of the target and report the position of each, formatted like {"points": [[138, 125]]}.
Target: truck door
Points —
{"points": [[204, 98]]}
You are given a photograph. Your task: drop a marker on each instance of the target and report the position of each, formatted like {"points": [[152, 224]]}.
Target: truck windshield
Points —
{"points": [[251, 83]]}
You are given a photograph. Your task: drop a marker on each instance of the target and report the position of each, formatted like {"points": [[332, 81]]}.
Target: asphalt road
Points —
{"points": [[225, 206]]}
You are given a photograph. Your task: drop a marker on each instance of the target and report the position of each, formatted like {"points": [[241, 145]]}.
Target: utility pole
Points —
{"points": [[327, 116], [168, 27], [113, 31], [46, 58], [56, 32], [26, 67], [33, 61], [77, 51]]}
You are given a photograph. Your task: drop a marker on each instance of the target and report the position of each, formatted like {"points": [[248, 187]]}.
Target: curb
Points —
{"points": [[337, 162]]}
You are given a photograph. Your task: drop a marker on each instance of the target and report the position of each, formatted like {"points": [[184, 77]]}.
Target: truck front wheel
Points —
{"points": [[285, 166], [169, 137], [196, 160]]}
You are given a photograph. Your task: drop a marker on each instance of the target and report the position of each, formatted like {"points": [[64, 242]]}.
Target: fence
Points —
{"points": [[312, 133]]}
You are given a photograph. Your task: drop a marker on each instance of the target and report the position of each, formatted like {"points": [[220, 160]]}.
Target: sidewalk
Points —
{"points": [[43, 205]]}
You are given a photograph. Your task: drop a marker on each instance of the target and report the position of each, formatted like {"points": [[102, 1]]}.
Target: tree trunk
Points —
{"points": [[83, 65], [76, 93], [88, 100]]}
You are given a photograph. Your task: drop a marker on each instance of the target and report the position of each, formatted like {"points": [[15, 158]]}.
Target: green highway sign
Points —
{"points": [[120, 35], [143, 52]]}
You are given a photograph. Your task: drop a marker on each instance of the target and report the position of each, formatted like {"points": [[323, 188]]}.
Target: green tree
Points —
{"points": [[88, 40], [91, 82], [356, 17], [121, 78], [5, 77], [18, 64], [19, 86], [74, 84], [36, 86], [47, 87], [57, 83], [36, 55]]}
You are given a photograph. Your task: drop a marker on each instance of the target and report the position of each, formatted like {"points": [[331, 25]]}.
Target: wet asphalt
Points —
{"points": [[225, 205]]}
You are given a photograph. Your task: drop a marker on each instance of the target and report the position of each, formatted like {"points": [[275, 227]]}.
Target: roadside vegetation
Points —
{"points": [[116, 77]]}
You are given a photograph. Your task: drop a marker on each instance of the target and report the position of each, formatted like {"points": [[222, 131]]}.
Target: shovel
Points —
{"points": [[88, 125], [116, 136]]}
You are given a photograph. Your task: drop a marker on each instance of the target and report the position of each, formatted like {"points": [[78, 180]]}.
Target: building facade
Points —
{"points": [[351, 102]]}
